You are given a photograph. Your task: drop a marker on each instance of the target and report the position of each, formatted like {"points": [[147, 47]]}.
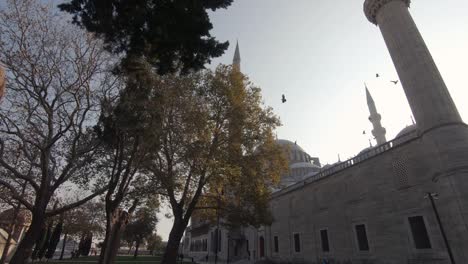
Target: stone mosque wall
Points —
{"points": [[379, 195]]}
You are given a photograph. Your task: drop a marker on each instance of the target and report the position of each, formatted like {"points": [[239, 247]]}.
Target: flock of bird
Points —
{"points": [[283, 98], [394, 82]]}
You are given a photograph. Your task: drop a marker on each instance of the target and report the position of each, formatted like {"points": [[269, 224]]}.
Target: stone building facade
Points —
{"points": [[402, 201], [21, 221]]}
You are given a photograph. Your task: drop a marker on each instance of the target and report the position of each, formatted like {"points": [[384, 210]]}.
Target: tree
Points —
{"points": [[54, 239], [172, 35], [38, 244], [215, 134], [88, 218], [129, 130], [141, 227], [45, 244], [56, 75], [85, 244], [154, 243]]}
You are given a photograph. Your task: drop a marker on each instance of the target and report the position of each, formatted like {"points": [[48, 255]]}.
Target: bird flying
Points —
{"points": [[283, 99], [377, 75], [395, 82]]}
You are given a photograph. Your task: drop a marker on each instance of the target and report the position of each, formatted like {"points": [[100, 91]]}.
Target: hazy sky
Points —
{"points": [[319, 54]]}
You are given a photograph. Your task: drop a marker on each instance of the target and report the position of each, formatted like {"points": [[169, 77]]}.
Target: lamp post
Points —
{"points": [[217, 208], [217, 228], [228, 246], [431, 197]]}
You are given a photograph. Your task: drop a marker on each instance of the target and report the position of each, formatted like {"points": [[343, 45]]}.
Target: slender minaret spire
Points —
{"points": [[378, 132], [237, 60]]}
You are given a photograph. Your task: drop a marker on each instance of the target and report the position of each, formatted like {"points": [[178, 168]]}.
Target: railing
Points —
{"points": [[355, 160]]}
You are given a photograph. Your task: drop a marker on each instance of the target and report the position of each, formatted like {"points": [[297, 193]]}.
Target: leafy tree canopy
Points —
{"points": [[216, 135], [171, 34], [252, 161], [142, 225], [86, 218], [154, 243]]}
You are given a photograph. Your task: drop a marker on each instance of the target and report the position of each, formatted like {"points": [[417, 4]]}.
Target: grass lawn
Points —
{"points": [[119, 260]]}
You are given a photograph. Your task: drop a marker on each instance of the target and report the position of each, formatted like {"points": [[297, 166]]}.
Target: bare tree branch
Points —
{"points": [[15, 195], [75, 204]]}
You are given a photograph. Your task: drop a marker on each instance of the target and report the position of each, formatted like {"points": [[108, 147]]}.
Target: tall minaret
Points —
{"points": [[425, 89], [236, 62], [378, 132]]}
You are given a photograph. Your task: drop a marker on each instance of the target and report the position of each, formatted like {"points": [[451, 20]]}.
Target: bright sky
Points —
{"points": [[320, 53]]}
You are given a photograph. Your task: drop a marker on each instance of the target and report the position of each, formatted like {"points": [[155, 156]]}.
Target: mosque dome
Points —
{"points": [[304, 165], [289, 144], [296, 154], [407, 130], [300, 163], [303, 169], [365, 150]]}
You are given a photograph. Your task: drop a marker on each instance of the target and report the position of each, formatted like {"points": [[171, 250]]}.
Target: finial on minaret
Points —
{"points": [[236, 62], [378, 132]]}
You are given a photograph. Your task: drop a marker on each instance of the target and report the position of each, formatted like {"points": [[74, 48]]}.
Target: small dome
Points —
{"points": [[310, 174], [301, 169], [365, 150], [331, 165], [304, 165], [407, 130]]}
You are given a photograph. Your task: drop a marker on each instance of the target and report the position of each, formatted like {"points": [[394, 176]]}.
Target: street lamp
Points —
{"points": [[431, 197], [218, 207], [218, 237]]}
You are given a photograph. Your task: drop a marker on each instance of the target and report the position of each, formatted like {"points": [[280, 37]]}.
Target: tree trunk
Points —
{"points": [[25, 247], [137, 246], [172, 248], [63, 245], [116, 223]]}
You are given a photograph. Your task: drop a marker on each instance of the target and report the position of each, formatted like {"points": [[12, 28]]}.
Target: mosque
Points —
{"points": [[401, 201]]}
